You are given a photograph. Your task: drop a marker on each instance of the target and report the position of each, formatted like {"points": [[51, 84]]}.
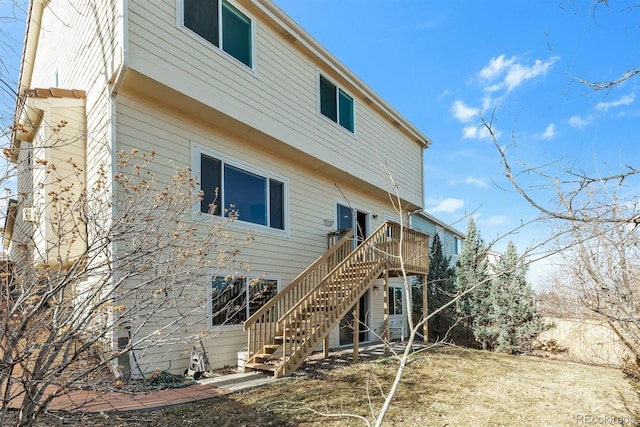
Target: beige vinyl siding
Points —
{"points": [[59, 235], [148, 126], [21, 249], [82, 41], [278, 97]]}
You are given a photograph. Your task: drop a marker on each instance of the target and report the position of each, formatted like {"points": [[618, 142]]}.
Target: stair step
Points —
{"points": [[266, 357], [289, 339], [261, 366], [271, 347]]}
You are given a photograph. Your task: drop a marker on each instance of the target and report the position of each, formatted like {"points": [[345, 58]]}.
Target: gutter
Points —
{"points": [[29, 48], [31, 39]]}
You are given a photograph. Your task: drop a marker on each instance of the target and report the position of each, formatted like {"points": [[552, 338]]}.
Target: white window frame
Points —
{"points": [[457, 245], [246, 278], [220, 49], [198, 150], [392, 290], [338, 89]]}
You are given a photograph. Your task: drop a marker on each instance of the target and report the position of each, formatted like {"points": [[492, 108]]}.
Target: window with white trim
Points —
{"points": [[235, 299], [250, 195], [222, 25], [457, 245], [395, 301], [336, 104]]}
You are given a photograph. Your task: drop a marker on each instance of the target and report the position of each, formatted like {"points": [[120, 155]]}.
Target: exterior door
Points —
{"points": [[353, 218], [348, 217], [346, 324]]}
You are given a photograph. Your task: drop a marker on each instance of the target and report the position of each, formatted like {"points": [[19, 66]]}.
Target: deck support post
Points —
{"points": [[425, 309], [356, 331], [325, 347], [385, 295]]}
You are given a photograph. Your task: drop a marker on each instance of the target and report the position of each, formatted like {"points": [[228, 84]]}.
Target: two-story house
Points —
{"points": [[269, 122]]}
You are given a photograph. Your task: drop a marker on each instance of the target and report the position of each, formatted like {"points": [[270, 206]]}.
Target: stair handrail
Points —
{"points": [[346, 239], [366, 245]]}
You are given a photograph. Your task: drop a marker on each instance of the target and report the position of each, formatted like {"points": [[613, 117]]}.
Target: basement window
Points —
{"points": [[234, 300]]}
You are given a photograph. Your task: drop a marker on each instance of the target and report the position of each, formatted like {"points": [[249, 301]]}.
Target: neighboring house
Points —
{"points": [[450, 238], [231, 87], [493, 259]]}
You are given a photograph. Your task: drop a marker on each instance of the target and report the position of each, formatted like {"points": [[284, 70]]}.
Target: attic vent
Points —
{"points": [[28, 215]]}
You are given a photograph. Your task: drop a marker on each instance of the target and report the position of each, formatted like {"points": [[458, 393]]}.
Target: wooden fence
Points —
{"points": [[586, 341]]}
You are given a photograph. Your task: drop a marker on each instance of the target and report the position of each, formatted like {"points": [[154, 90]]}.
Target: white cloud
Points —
{"points": [[470, 180], [625, 100], [477, 132], [512, 72], [463, 112], [495, 220], [478, 182], [444, 94], [549, 132], [578, 122], [495, 67], [448, 205]]}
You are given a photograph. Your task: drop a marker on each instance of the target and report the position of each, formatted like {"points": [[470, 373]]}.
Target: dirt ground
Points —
{"points": [[446, 387]]}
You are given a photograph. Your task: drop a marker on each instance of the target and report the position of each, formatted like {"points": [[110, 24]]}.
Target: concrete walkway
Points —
{"points": [[91, 401]]}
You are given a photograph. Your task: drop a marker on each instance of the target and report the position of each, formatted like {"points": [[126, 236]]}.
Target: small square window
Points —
{"points": [[336, 104], [222, 25]]}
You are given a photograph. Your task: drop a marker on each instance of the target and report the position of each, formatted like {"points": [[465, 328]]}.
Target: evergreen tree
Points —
{"points": [[440, 290], [472, 277], [514, 320]]}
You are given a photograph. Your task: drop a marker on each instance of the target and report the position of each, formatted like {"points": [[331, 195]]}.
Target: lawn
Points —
{"points": [[445, 387]]}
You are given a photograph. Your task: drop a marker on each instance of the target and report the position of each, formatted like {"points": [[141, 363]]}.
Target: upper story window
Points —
{"points": [[254, 196], [457, 245], [336, 104], [218, 22]]}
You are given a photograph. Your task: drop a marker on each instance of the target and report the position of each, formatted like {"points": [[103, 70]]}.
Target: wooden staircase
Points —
{"points": [[284, 332]]}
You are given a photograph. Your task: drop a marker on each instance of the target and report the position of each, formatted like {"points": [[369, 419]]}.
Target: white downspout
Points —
{"points": [[115, 83]]}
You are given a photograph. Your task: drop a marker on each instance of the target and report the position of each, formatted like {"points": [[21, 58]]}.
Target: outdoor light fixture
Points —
{"points": [[328, 222]]}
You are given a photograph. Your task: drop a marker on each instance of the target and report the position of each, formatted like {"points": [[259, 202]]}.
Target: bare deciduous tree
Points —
{"points": [[98, 277], [597, 236]]}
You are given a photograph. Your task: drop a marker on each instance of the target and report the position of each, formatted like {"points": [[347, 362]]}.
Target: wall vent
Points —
{"points": [[28, 215]]}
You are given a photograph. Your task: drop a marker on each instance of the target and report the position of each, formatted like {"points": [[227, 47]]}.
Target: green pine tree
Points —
{"points": [[472, 277], [440, 290], [514, 319]]}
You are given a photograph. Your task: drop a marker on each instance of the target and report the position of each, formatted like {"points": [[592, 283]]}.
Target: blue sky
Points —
{"points": [[442, 63]]}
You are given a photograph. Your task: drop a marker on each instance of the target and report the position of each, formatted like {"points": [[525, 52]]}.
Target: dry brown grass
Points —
{"points": [[453, 387]]}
